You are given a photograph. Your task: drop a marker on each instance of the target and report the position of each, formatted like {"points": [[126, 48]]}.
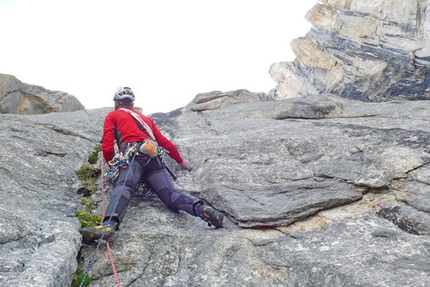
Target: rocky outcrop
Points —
{"points": [[361, 49], [317, 191], [17, 97]]}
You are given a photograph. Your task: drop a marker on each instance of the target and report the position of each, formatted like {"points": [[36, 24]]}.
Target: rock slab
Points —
{"points": [[318, 191]]}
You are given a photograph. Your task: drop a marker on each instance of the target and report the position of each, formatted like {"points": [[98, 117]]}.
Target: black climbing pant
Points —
{"points": [[156, 175]]}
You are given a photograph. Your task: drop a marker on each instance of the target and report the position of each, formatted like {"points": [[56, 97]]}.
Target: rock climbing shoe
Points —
{"points": [[90, 234], [209, 214]]}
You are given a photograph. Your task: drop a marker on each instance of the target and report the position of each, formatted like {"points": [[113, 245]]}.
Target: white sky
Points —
{"points": [[167, 51]]}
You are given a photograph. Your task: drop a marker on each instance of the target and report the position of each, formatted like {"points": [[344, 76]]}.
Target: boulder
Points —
{"points": [[17, 97]]}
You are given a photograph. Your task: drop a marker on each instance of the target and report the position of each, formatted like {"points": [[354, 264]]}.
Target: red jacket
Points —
{"points": [[126, 127]]}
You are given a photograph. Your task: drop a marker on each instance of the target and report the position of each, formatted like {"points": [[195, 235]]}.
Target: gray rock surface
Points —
{"points": [[17, 97], [316, 192], [318, 189]]}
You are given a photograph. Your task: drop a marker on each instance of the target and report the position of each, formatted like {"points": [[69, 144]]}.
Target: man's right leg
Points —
{"points": [[175, 199], [125, 184]]}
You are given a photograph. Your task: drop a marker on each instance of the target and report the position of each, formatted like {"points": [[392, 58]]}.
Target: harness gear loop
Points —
{"points": [[121, 159]]}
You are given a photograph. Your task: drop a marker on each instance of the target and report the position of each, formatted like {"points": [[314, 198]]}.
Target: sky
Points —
{"points": [[167, 51]]}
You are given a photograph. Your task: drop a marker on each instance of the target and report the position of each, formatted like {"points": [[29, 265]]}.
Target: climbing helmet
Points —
{"points": [[124, 93]]}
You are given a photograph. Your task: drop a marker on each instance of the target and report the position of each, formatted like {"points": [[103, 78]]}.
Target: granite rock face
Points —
{"points": [[17, 97], [316, 191], [317, 188], [360, 49]]}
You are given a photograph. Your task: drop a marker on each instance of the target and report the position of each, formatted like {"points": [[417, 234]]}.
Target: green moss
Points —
{"points": [[88, 203], [98, 148], [78, 277], [88, 176], [87, 219], [94, 156], [88, 172]]}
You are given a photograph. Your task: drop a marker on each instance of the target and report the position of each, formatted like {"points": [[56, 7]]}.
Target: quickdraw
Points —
{"points": [[121, 159]]}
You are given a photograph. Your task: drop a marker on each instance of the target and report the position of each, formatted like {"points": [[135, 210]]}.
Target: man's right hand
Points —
{"points": [[186, 164]]}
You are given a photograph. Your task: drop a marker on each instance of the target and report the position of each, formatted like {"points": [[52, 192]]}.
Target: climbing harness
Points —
{"points": [[121, 159]]}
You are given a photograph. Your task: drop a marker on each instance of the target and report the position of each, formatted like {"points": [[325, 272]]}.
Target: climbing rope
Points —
{"points": [[92, 260], [112, 263], [107, 242]]}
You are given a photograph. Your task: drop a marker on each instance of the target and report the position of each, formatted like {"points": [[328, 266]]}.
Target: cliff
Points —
{"points": [[365, 50], [318, 189]]}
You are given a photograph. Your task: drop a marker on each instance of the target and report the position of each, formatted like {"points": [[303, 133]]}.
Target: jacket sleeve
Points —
{"points": [[166, 143], [108, 140]]}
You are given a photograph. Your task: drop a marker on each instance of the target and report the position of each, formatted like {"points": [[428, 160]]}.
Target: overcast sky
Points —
{"points": [[166, 51]]}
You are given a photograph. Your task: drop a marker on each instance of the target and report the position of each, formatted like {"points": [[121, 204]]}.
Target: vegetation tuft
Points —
{"points": [[94, 156], [88, 175], [86, 217], [88, 172], [78, 277]]}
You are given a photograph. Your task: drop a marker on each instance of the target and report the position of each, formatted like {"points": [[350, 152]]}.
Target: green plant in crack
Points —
{"points": [[88, 176], [94, 156], [86, 217], [78, 277], [86, 172]]}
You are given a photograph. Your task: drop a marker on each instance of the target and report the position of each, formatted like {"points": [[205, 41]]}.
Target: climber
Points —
{"points": [[139, 138]]}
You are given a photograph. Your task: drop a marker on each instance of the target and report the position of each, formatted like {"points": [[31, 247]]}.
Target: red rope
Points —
{"points": [[113, 264], [103, 187], [107, 242]]}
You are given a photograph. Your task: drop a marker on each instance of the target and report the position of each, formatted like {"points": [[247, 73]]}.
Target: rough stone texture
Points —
{"points": [[17, 97], [319, 191], [361, 49], [39, 240]]}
